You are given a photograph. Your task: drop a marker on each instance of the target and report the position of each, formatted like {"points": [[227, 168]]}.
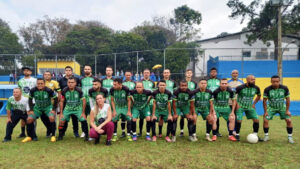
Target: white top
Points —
{"points": [[21, 105], [26, 85], [102, 113]]}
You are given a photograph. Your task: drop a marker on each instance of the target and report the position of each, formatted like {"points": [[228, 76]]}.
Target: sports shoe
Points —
{"points": [[60, 138], [173, 138], [148, 138], [97, 140], [27, 139], [237, 137], [266, 138], [123, 135], [76, 134], [86, 139], [160, 136], [219, 135], [82, 135], [290, 139], [191, 138], [53, 139], [195, 138], [207, 137], [6, 140], [115, 138], [108, 142], [181, 134], [231, 138], [154, 138], [214, 138], [35, 139], [140, 134], [134, 137], [167, 138], [129, 138], [21, 135], [91, 139], [48, 134]]}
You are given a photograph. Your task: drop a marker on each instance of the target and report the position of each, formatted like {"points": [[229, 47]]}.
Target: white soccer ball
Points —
{"points": [[252, 138]]}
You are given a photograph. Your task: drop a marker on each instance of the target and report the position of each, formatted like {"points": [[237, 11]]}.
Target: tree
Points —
{"points": [[262, 20]]}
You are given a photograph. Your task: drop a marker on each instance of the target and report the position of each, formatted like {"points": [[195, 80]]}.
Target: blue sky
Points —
{"points": [[118, 14]]}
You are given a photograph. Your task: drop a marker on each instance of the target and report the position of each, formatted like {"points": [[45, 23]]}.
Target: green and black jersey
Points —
{"points": [[213, 84], [192, 85], [120, 96], [202, 99], [140, 101], [42, 98], [130, 84], [171, 85], [221, 98], [86, 85], [276, 97], [107, 83], [93, 93], [183, 98], [245, 95], [73, 99], [162, 100], [148, 85]]}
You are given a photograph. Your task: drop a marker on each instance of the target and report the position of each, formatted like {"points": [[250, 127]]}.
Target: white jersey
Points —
{"points": [[102, 113], [21, 105], [26, 85]]}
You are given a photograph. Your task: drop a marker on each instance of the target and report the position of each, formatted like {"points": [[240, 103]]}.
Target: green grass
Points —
{"points": [[75, 153]]}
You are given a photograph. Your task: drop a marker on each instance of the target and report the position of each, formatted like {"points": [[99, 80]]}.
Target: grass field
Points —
{"points": [[75, 153]]}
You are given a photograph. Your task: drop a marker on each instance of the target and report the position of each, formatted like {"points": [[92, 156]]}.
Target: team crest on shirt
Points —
{"points": [[76, 95], [206, 96], [45, 96], [123, 94], [253, 92], [50, 84]]}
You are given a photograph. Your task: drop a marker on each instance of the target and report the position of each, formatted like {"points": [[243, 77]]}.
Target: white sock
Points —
{"points": [[181, 131], [115, 134], [148, 134], [266, 134], [255, 133], [134, 133], [290, 135]]}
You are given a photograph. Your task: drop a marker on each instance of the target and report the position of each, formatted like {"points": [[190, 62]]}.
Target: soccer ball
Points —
{"points": [[252, 138]]}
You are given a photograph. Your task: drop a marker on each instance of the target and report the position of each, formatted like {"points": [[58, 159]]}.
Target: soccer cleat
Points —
{"points": [[266, 138], [181, 134], [35, 139], [6, 140], [154, 138], [134, 137], [195, 138], [148, 138], [167, 138], [48, 134], [86, 139], [214, 138], [21, 135], [173, 138], [97, 140], [191, 138], [237, 137], [115, 138], [208, 138], [82, 135], [290, 139], [91, 139], [140, 134], [123, 135], [231, 138], [76, 134], [129, 138], [160, 136], [53, 139], [60, 138], [27, 139], [219, 135], [108, 142]]}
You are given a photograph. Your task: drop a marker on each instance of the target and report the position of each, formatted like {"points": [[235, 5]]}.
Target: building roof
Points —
{"points": [[221, 37]]}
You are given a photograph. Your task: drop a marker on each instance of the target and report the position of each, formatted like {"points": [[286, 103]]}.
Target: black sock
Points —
{"points": [[208, 127], [153, 128], [61, 130], [190, 127], [194, 128], [228, 125], [148, 125], [174, 127], [218, 125], [65, 127], [181, 123], [230, 132], [141, 124], [255, 127], [85, 128], [266, 130], [128, 127], [30, 130], [53, 128], [23, 130], [289, 130], [133, 127], [238, 127], [116, 126], [160, 129], [123, 125], [169, 127]]}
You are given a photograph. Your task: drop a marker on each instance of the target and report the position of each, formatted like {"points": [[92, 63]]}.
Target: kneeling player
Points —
{"points": [[245, 94], [162, 99], [121, 106], [183, 104], [72, 102], [278, 97], [43, 97], [204, 106], [222, 108], [141, 109]]}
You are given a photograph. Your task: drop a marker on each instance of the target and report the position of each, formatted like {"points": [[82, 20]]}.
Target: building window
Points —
{"points": [[246, 53]]}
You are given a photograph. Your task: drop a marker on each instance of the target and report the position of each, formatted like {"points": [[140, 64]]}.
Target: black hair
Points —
{"points": [[213, 68], [40, 79], [68, 67], [118, 80], [275, 77]]}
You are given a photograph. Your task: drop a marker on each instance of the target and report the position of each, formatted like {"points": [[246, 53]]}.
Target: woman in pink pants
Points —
{"points": [[101, 123]]}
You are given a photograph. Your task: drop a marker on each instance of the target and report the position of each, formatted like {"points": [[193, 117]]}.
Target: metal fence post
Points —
{"points": [[95, 66], [137, 62], [35, 65], [115, 62], [242, 66], [15, 75], [164, 59], [56, 73]]}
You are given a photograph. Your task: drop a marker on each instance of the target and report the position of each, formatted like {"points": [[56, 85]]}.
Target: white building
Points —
{"points": [[233, 47]]}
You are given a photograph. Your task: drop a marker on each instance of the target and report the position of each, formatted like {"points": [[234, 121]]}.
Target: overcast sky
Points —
{"points": [[118, 14]]}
